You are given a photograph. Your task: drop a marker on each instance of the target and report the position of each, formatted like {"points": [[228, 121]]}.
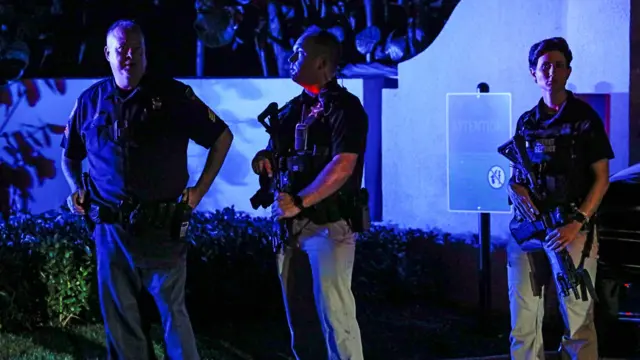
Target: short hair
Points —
{"points": [[326, 42], [124, 24], [548, 45]]}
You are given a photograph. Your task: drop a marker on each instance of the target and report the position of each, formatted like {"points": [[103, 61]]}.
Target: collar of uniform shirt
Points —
{"points": [[544, 113], [114, 91]]}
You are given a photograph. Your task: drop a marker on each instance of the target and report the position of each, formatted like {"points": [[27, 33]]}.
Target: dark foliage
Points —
{"points": [[47, 272]]}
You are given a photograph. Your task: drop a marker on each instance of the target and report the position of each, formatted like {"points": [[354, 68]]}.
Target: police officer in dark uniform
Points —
{"points": [[570, 152], [322, 136], [133, 129]]}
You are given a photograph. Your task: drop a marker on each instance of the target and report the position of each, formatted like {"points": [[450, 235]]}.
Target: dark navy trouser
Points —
{"points": [[128, 266]]}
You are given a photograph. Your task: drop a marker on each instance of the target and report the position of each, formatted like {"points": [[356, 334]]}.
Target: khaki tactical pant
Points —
{"points": [[315, 273], [527, 310]]}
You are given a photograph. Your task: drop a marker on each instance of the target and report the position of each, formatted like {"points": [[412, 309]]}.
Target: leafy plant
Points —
{"points": [[66, 271], [48, 277], [45, 276]]}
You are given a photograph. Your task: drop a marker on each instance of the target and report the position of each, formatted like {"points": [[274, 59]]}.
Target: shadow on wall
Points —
{"points": [[602, 87], [618, 113], [23, 164]]}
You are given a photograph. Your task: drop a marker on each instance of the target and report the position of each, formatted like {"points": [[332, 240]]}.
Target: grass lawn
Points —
{"points": [[388, 333], [87, 342]]}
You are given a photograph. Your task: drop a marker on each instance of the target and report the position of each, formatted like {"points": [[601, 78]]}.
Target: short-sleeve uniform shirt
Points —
{"points": [[136, 142]]}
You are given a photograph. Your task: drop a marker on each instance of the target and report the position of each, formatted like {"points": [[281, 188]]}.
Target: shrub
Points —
{"points": [[47, 270]]}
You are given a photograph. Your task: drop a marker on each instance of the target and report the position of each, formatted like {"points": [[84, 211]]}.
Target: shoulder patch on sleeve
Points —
{"points": [[212, 115], [190, 94]]}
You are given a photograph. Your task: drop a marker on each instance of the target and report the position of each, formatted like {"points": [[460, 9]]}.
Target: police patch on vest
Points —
{"points": [[545, 146]]}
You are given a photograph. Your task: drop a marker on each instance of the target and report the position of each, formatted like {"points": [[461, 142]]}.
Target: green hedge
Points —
{"points": [[47, 268]]}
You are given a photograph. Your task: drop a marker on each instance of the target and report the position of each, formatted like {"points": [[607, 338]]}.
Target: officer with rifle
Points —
{"points": [[560, 154], [134, 129], [313, 167]]}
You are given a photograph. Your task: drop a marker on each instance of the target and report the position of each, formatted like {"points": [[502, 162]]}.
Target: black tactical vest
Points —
{"points": [[552, 151], [306, 137]]}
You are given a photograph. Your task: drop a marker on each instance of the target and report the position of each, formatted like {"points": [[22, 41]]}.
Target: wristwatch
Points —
{"points": [[580, 217], [297, 201]]}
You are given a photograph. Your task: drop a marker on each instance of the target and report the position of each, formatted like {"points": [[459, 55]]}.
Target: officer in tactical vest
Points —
{"points": [[322, 135], [134, 129], [569, 151]]}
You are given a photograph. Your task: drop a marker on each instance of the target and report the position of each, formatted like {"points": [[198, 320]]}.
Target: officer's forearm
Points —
{"points": [[72, 170], [600, 186], [215, 159], [330, 180]]}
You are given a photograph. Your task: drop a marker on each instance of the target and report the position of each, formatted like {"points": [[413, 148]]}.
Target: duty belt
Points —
{"points": [[155, 214], [165, 216]]}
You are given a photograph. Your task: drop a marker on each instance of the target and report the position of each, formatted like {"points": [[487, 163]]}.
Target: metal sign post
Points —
{"points": [[477, 123]]}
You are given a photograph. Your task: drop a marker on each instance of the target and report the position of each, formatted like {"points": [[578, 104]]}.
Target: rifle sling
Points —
{"points": [[586, 283]]}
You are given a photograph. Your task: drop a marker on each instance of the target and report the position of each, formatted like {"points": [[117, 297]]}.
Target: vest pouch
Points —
{"points": [[355, 210], [298, 163], [362, 219]]}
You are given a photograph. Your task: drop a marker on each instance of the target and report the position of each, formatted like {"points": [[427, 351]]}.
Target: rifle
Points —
{"points": [[265, 196], [567, 277]]}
